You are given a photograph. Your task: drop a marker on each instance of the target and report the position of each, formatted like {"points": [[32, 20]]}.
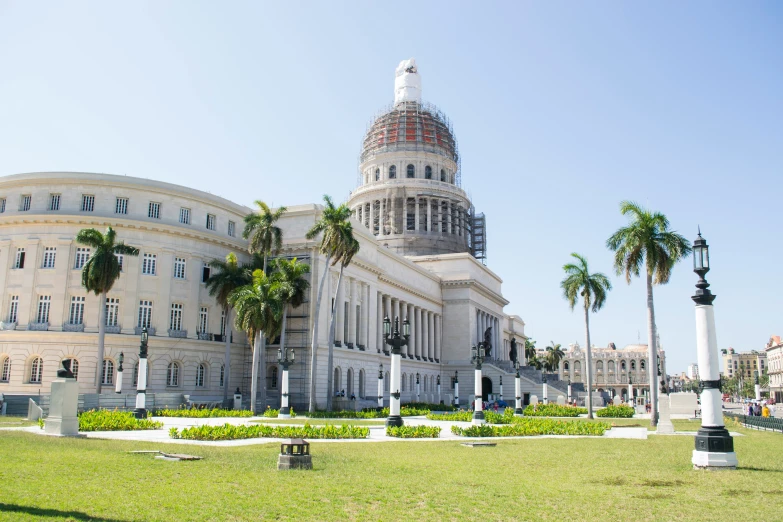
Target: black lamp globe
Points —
{"points": [[701, 256], [144, 335], [406, 328], [279, 355], [386, 326]]}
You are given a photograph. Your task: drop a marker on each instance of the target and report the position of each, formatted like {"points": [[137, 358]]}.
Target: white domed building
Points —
{"points": [[422, 258]]}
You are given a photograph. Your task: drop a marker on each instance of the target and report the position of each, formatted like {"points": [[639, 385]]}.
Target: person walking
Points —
{"points": [[765, 410]]}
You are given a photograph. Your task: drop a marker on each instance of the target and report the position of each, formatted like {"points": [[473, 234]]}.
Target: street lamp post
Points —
{"points": [[120, 360], [757, 386], [714, 444], [440, 401], [456, 389], [501, 387], [396, 342], [543, 381], [630, 388], [418, 388], [141, 379], [477, 358], [285, 362], [517, 391], [380, 386]]}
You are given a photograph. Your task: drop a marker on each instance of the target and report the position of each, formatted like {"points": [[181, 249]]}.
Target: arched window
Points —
{"points": [[599, 366], [349, 390], [377, 174], [361, 384], [622, 366], [410, 171], [74, 367], [427, 172], [641, 365], [425, 384], [172, 374], [577, 366], [633, 365], [5, 373], [386, 382], [565, 366], [404, 381], [393, 172], [610, 366], [272, 376], [413, 383], [336, 380], [107, 372], [200, 371], [222, 374], [442, 175], [36, 370]]}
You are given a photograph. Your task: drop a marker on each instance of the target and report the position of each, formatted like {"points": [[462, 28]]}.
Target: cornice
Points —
{"points": [[473, 284], [402, 286]]}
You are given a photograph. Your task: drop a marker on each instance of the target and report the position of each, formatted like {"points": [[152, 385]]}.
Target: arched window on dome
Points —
{"points": [[411, 171], [442, 174], [393, 172], [377, 174], [427, 172]]}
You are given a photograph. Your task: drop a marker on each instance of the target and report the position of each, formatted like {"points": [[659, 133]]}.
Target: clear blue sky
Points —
{"points": [[561, 110]]}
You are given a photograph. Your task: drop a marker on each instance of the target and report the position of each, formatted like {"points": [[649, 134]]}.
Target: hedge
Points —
{"points": [[553, 410], [231, 432], [622, 411], [202, 413], [526, 427], [414, 432]]}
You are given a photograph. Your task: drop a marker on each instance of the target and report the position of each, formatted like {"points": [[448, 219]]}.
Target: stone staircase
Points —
{"points": [[532, 374]]}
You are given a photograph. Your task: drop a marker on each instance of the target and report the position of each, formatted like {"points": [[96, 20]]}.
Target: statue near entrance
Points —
{"points": [[488, 342], [512, 353]]}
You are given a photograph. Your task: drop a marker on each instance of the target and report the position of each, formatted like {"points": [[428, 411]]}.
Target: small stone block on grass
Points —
{"points": [[479, 444], [294, 462]]}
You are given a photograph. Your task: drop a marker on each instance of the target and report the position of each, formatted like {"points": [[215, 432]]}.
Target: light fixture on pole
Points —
{"points": [[396, 342], [477, 358], [714, 444], [757, 386], [440, 401], [456, 389], [544, 385], [418, 388], [501, 387], [569, 389], [120, 360], [630, 387], [517, 391], [380, 386], [141, 379], [285, 360]]}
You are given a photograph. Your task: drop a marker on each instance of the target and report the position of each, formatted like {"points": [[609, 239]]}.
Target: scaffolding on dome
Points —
{"points": [[478, 235]]}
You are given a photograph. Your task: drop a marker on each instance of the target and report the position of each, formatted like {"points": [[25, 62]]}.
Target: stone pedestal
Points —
{"points": [[63, 405], [294, 462], [665, 425], [237, 401]]}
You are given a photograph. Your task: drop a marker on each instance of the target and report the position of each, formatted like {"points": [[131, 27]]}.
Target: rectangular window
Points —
{"points": [[154, 210], [232, 229], [19, 258], [76, 315], [2, 205], [82, 256], [24, 203], [44, 301], [145, 314], [13, 310], [120, 260], [210, 222], [54, 201], [121, 206], [206, 271], [149, 264], [88, 203], [175, 321], [48, 258], [112, 311], [184, 216], [179, 268], [203, 320]]}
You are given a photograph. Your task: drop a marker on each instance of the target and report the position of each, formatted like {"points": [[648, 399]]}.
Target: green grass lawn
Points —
{"points": [[12, 421], [530, 479]]}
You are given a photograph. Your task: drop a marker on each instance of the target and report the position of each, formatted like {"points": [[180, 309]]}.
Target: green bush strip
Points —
{"points": [[527, 427], [414, 432], [405, 411], [202, 413], [229, 432], [107, 420], [553, 410], [624, 412]]}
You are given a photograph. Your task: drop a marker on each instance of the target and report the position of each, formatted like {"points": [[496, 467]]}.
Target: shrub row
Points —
{"points": [[523, 427], [202, 413], [108, 420], [463, 416], [553, 410], [466, 416], [615, 411], [271, 413], [414, 432], [231, 432], [405, 411]]}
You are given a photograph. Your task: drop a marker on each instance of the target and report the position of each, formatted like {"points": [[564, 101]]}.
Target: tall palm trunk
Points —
{"points": [[227, 370], [101, 346], [589, 365], [653, 353], [254, 372], [262, 360], [282, 345], [314, 344], [330, 357]]}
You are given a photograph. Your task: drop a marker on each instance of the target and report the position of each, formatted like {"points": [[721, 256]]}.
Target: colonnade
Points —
{"points": [[486, 320], [394, 215], [426, 336]]}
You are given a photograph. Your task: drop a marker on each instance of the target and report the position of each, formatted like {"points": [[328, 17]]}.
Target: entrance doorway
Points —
{"points": [[486, 388]]}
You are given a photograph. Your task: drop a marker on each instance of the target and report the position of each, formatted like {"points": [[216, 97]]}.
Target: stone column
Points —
{"points": [[339, 312], [418, 343], [448, 216], [411, 349], [378, 322], [395, 313], [438, 337], [431, 336], [403, 314], [416, 205], [353, 289]]}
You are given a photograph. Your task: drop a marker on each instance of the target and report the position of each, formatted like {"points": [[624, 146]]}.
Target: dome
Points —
{"points": [[411, 126]]}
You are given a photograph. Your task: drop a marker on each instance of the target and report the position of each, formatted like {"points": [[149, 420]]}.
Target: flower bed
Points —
{"points": [[527, 427], [230, 432], [553, 410], [414, 432], [624, 412], [202, 413], [107, 420]]}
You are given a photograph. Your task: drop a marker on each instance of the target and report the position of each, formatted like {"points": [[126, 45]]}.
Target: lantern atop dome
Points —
{"points": [[407, 82]]}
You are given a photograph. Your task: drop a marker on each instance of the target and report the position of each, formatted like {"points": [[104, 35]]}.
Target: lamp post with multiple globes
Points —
{"points": [[396, 341], [285, 360]]}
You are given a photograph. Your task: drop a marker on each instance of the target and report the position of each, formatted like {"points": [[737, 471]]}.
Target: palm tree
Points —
{"points": [[226, 277], [554, 355], [331, 227], [530, 351], [99, 274], [258, 314], [264, 238], [290, 287], [593, 288], [647, 241]]}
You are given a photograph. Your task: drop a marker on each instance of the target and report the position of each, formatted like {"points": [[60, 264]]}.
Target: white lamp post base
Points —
{"points": [[283, 415], [714, 460], [478, 422]]}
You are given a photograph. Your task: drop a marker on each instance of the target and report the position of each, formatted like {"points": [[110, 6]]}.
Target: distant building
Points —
{"points": [[693, 372], [743, 364], [774, 352]]}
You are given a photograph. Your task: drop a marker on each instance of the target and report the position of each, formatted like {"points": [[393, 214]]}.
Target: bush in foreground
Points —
{"points": [[553, 410], [527, 427], [107, 420], [621, 411], [230, 432], [202, 413], [414, 432], [270, 413], [491, 417]]}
